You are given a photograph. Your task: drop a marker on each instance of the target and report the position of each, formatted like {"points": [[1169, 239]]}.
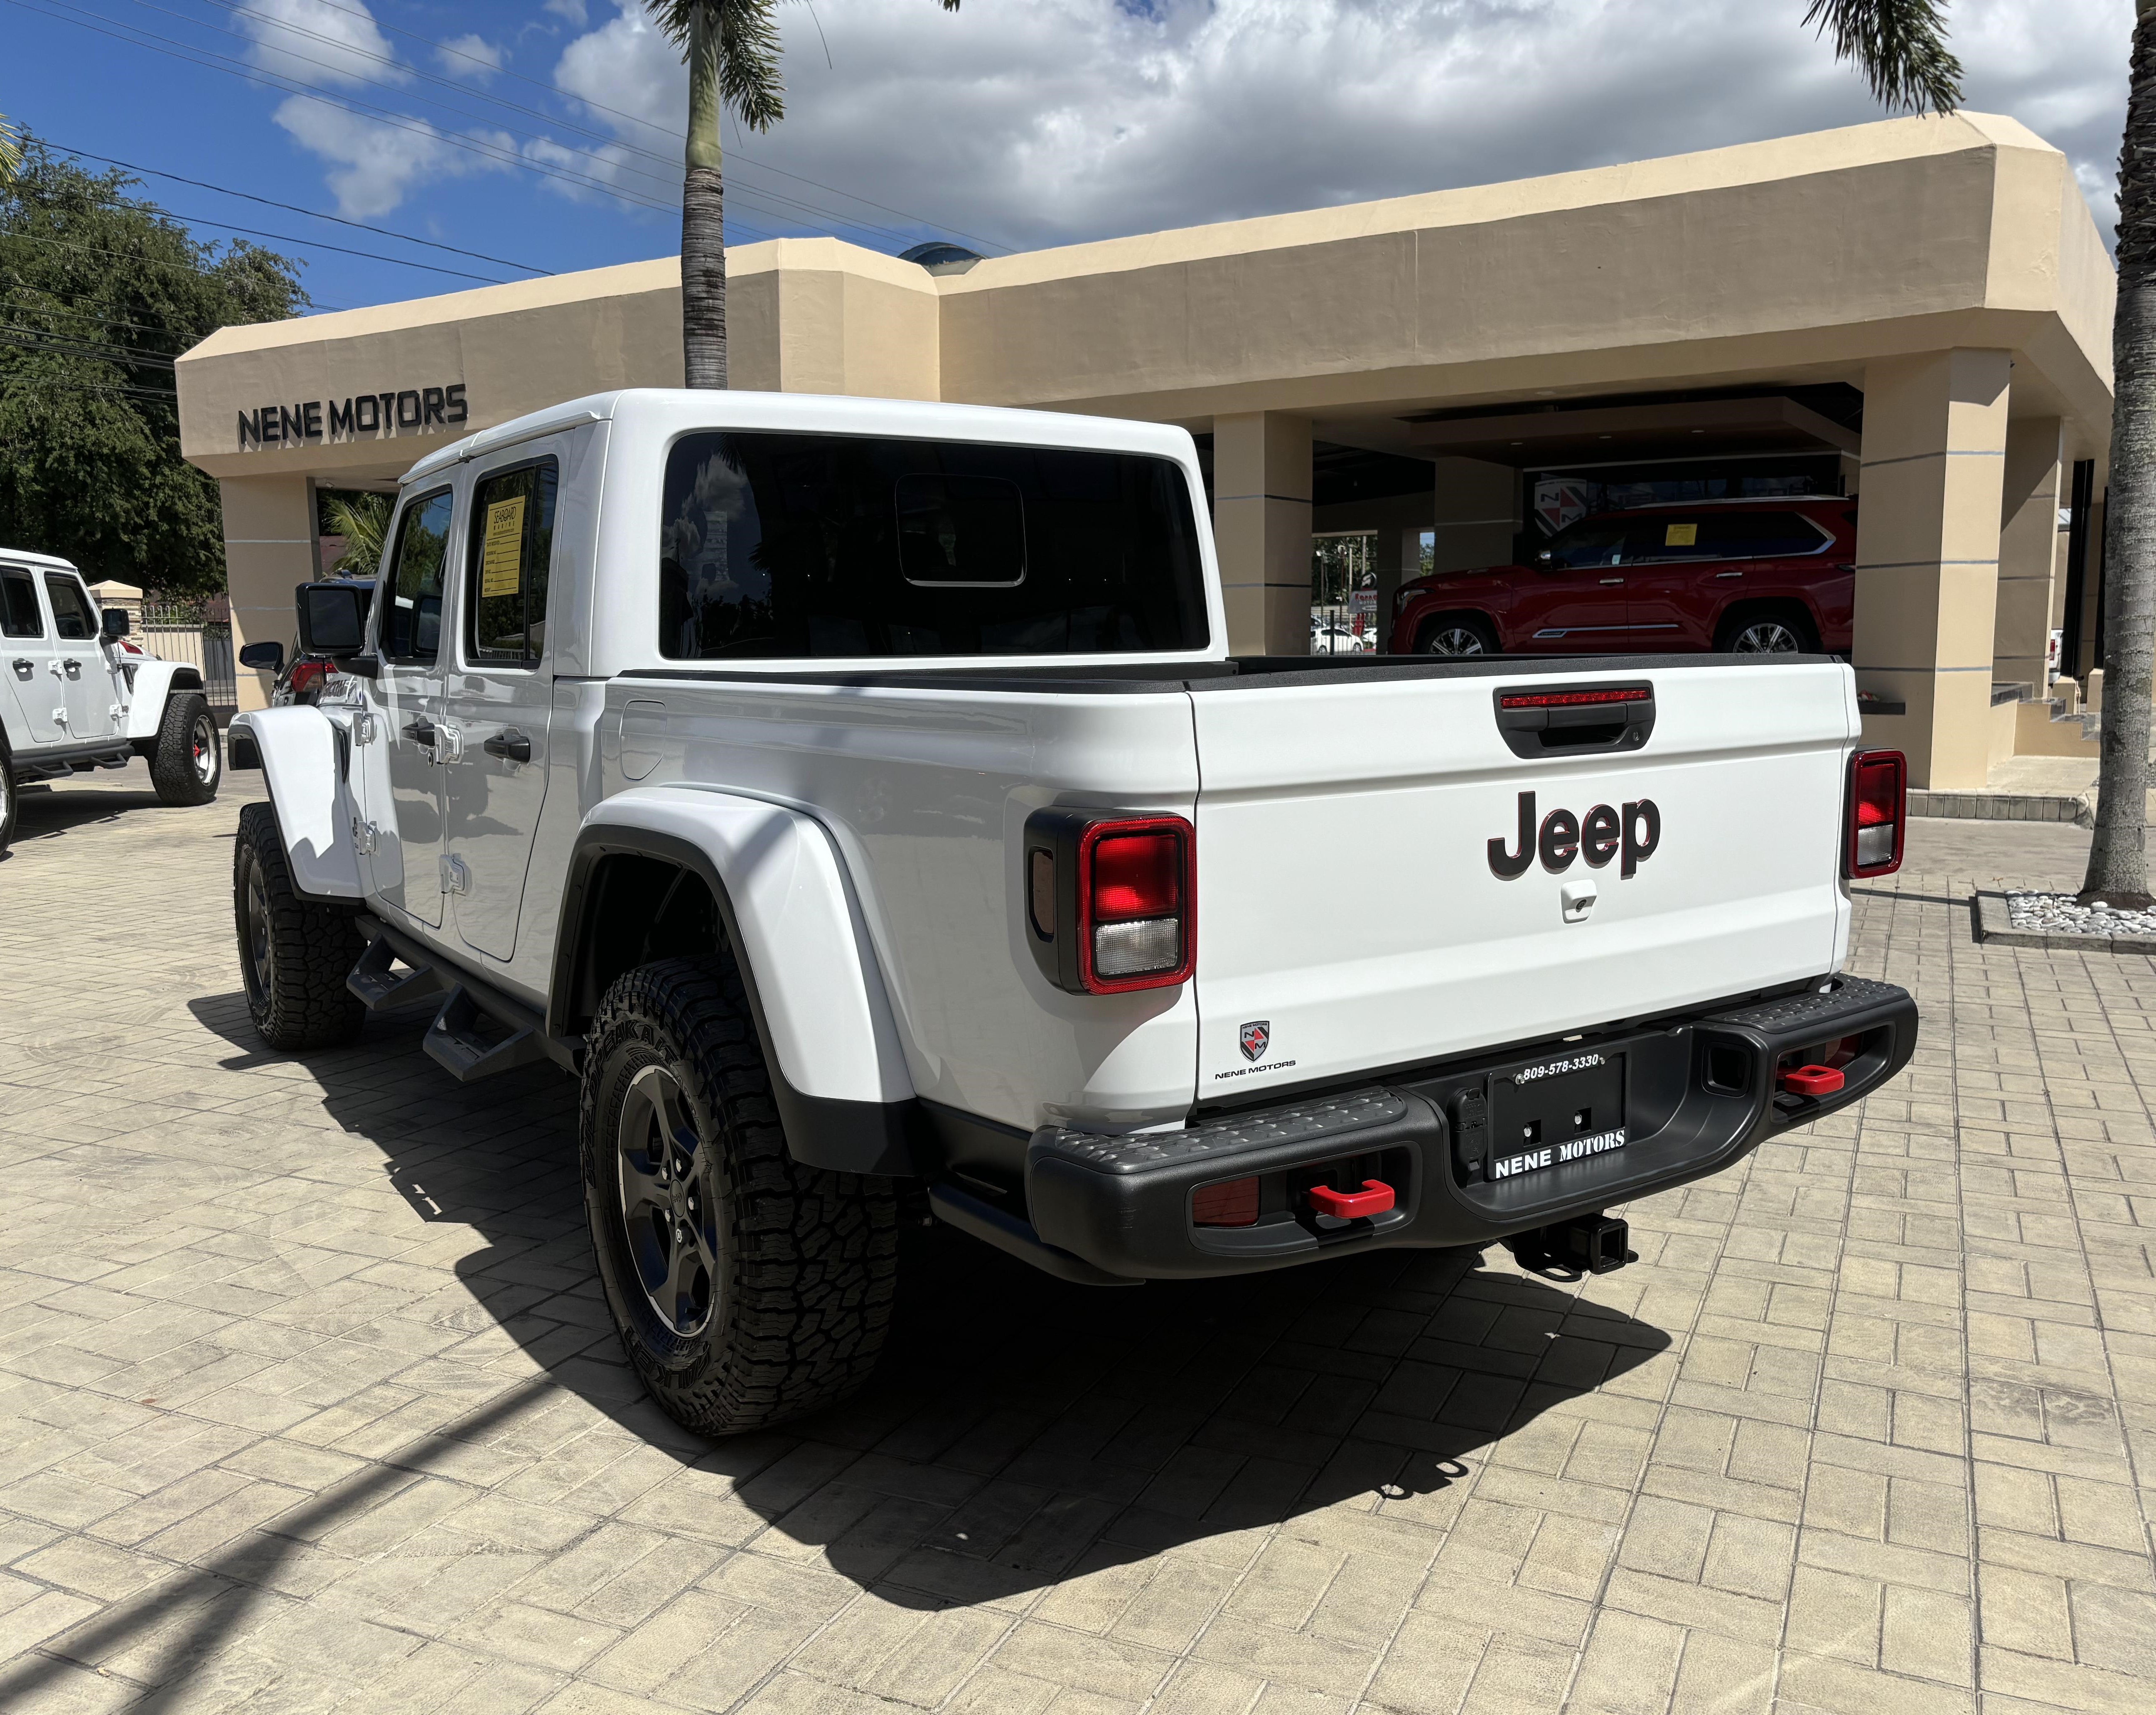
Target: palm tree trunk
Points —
{"points": [[703, 218], [2118, 861]]}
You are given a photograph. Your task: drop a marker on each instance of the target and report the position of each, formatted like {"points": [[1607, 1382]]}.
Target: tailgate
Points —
{"points": [[1352, 915]]}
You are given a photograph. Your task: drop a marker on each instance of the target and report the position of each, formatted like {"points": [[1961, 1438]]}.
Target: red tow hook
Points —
{"points": [[1375, 1198], [1812, 1081]]}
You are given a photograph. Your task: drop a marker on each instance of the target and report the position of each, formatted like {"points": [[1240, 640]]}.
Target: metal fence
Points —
{"points": [[179, 632]]}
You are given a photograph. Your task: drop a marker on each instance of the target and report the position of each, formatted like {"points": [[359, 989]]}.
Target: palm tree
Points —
{"points": [[731, 49], [362, 519], [1901, 47], [11, 153]]}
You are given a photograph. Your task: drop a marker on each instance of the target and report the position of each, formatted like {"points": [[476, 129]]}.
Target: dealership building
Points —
{"points": [[1917, 312]]}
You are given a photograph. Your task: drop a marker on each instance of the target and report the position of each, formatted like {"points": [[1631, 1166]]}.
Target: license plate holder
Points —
{"points": [[1548, 1113]]}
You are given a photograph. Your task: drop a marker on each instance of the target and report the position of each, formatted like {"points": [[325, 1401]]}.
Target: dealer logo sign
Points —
{"points": [[1254, 1037]]}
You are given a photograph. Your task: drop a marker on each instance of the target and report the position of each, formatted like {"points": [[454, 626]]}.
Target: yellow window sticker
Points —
{"points": [[1678, 536], [502, 565]]}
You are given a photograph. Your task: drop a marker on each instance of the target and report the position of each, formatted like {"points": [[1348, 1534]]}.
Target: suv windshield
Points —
{"points": [[810, 545]]}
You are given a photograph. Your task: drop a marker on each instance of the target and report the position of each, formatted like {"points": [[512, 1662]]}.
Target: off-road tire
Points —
{"points": [[177, 765], [10, 796], [806, 1262], [294, 952]]}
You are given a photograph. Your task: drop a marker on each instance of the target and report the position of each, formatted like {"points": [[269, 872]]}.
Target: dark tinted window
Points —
{"points": [[19, 606], [1662, 537], [1761, 535], [512, 545], [412, 618], [74, 618], [799, 544], [1592, 542]]}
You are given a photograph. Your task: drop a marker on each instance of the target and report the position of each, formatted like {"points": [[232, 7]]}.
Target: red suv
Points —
{"points": [[1736, 576]]}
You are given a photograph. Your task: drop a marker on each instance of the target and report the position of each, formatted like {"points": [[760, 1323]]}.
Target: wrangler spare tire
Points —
{"points": [[746, 1288]]}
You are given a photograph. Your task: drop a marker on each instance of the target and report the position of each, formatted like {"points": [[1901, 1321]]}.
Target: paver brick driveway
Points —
{"points": [[307, 1399]]}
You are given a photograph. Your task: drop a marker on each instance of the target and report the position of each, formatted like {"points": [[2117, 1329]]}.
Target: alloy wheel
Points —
{"points": [[202, 748], [667, 1208], [1454, 640], [1766, 637]]}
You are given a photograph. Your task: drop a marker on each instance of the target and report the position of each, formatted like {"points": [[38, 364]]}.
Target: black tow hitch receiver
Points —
{"points": [[1589, 1244]]}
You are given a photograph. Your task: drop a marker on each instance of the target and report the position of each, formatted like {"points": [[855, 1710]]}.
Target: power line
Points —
{"points": [[600, 107], [32, 237], [12, 378], [43, 339], [294, 208]]}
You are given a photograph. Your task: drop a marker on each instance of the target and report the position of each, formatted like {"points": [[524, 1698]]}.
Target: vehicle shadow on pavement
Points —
{"points": [[49, 815], [1021, 1430]]}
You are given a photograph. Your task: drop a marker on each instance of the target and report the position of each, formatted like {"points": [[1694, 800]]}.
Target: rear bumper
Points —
{"points": [[1698, 1094]]}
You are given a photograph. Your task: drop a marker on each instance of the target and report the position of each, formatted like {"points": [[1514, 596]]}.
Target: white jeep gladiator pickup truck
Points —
{"points": [[76, 695], [860, 798]]}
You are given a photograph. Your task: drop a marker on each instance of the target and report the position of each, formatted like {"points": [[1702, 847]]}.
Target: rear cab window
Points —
{"points": [[780, 545], [510, 553], [18, 605]]}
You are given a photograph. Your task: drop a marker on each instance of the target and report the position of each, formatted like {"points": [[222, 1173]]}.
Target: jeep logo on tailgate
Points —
{"points": [[1598, 836]]}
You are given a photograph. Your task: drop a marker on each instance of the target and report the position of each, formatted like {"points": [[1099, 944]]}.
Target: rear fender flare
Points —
{"points": [[301, 753], [789, 911]]}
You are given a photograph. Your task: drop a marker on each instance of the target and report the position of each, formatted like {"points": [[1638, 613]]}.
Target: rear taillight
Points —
{"points": [[1232, 1203], [1110, 900], [307, 675], [1878, 811]]}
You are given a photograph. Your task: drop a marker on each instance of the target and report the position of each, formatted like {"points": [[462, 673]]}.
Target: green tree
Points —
{"points": [[362, 519], [99, 291], [1901, 47], [731, 50]]}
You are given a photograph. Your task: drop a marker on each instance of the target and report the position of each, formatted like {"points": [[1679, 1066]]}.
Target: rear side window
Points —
{"points": [[19, 606], [804, 545], [511, 547], [1761, 535], [412, 618], [74, 619], [1592, 542]]}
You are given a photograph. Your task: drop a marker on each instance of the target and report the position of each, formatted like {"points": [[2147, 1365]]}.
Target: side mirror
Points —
{"points": [[114, 624], [332, 618], [263, 657]]}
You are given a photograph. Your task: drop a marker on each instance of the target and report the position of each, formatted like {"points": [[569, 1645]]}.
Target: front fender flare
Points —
{"points": [[807, 961], [299, 751], [150, 689]]}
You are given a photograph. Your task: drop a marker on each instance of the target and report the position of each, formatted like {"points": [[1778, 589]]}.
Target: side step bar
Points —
{"points": [[991, 1225], [455, 1040]]}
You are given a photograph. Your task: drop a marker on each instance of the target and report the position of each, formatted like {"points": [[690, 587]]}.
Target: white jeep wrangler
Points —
{"points": [[74, 695], [860, 798]]}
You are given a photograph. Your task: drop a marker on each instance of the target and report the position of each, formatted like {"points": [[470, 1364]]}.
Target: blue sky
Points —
{"points": [[545, 132]]}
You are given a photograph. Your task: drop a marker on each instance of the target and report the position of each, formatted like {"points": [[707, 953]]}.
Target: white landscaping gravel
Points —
{"points": [[2057, 914]]}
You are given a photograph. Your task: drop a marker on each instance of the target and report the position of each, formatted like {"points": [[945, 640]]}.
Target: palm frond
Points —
{"points": [[11, 152], [364, 522], [1900, 46]]}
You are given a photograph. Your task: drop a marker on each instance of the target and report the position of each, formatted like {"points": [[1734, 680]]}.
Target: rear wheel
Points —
{"points": [[746, 1288], [6, 797], [1773, 631], [1459, 634], [185, 763], [294, 952]]}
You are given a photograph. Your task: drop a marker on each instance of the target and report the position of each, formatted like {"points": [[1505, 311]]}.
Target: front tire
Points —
{"points": [[294, 952], [9, 804], [746, 1288], [1766, 631], [186, 764]]}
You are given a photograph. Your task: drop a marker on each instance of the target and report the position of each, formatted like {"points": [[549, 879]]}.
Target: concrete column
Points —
{"points": [[269, 548], [1927, 557], [1398, 558], [2028, 552], [1477, 514], [1261, 488]]}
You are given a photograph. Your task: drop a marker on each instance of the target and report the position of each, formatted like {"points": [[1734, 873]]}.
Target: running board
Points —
{"points": [[377, 986], [454, 1042]]}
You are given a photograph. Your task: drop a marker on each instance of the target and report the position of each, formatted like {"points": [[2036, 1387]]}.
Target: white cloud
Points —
{"points": [[572, 10], [469, 56], [378, 165], [317, 42], [1060, 119]]}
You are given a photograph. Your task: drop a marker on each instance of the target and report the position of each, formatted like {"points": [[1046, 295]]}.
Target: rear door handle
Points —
{"points": [[24, 669], [421, 733], [1729, 574], [1613, 580], [510, 745]]}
